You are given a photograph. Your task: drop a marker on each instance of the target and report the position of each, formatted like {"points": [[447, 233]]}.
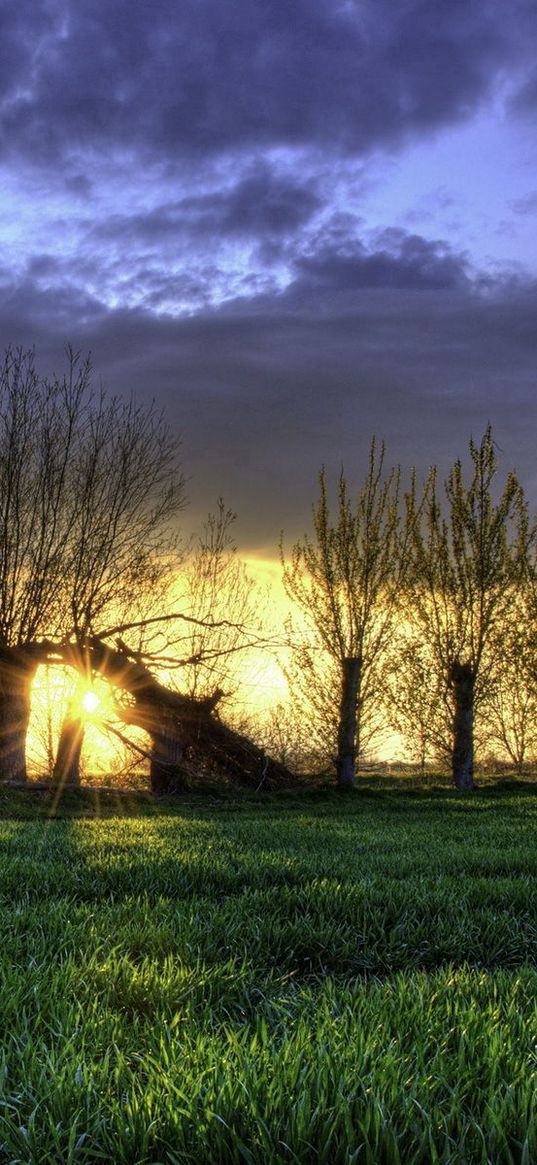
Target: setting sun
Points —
{"points": [[90, 701]]}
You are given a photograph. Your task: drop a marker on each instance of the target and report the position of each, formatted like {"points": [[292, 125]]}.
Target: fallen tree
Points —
{"points": [[187, 736]]}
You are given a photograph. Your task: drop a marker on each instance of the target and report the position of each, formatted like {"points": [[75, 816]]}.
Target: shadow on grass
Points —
{"points": [[401, 796], [39, 800], [299, 893]]}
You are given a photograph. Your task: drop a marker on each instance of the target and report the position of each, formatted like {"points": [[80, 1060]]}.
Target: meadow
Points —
{"points": [[303, 979]]}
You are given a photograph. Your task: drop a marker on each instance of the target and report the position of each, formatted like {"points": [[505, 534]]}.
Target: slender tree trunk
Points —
{"points": [[463, 680], [67, 765], [346, 736], [17, 668]]}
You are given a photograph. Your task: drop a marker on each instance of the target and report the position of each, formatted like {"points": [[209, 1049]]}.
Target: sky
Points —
{"points": [[293, 223]]}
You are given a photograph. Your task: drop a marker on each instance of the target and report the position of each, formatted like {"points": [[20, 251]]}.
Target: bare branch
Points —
{"points": [[168, 618]]}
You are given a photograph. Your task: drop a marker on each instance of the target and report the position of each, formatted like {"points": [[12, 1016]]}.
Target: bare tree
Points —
{"points": [[470, 551], [225, 606], [346, 580], [88, 487], [187, 737]]}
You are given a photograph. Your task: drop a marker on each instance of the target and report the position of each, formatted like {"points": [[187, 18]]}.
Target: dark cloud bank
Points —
{"points": [[392, 333], [264, 390], [205, 76]]}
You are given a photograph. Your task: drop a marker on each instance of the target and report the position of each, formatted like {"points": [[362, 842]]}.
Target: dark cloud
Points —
{"points": [[524, 99], [78, 184], [328, 255], [25, 25], [265, 389], [188, 204], [399, 260], [261, 204], [40, 306], [208, 77]]}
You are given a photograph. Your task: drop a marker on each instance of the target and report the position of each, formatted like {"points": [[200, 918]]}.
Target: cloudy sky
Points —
{"points": [[292, 222]]}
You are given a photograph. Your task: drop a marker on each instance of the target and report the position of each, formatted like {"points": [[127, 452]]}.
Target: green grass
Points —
{"points": [[304, 979]]}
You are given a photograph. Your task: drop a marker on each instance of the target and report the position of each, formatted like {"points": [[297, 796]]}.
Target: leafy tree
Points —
{"points": [[469, 552], [346, 579], [315, 682], [510, 699]]}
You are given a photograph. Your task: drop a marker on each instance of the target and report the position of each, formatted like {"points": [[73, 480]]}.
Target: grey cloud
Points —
{"points": [[203, 111], [399, 260], [24, 25], [524, 99], [31, 312], [208, 77], [430, 204], [264, 390], [262, 204], [79, 185], [46, 266]]}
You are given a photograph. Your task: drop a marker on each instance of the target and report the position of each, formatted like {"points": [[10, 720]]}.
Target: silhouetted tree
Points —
{"points": [[88, 486], [187, 735], [470, 554], [225, 605], [346, 579]]}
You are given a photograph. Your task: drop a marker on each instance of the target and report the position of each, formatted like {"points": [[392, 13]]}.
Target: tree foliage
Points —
{"points": [[346, 578], [509, 710], [470, 552]]}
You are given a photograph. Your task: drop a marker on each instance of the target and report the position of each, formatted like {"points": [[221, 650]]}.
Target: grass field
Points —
{"points": [[309, 979]]}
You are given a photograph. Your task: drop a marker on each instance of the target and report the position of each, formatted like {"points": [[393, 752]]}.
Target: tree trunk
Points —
{"points": [[67, 765], [17, 668], [346, 736], [463, 679]]}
